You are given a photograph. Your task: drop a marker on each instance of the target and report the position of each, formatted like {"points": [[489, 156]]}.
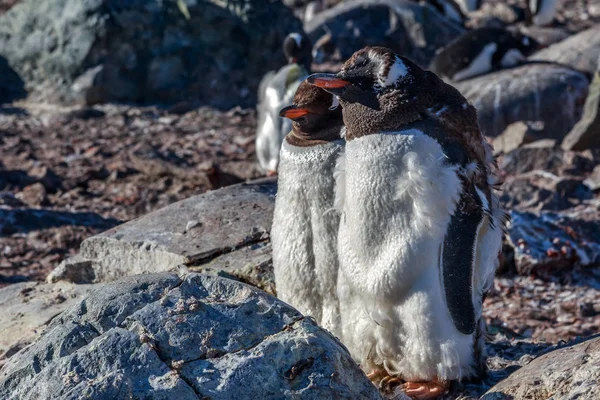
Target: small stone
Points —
{"points": [[33, 195], [46, 177], [515, 135]]}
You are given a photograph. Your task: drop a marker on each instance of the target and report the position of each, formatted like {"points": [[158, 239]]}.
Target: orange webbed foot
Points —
{"points": [[384, 381], [426, 390]]}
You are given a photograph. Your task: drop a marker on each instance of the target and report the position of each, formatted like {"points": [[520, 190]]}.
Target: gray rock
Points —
{"points": [[540, 190], [28, 307], [101, 51], [515, 135], [226, 229], [586, 133], [409, 28], [546, 155], [571, 372], [545, 35], [547, 93], [163, 337], [74, 269], [580, 51], [553, 241]]}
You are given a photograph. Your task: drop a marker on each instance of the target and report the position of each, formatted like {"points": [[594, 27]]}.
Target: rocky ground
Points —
{"points": [[116, 162]]}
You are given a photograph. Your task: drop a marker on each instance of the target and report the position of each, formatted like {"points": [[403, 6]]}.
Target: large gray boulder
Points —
{"points": [[571, 372], [580, 51], [534, 92], [111, 50], [27, 308], [226, 229], [411, 29], [160, 336]]}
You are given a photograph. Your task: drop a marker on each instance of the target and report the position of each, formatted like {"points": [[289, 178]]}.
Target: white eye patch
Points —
{"points": [[397, 70], [297, 38]]}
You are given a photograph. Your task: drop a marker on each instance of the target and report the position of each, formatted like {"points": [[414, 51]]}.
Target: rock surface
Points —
{"points": [[586, 133], [580, 51], [159, 336], [28, 307], [553, 241], [571, 372], [226, 229], [145, 51], [515, 135], [409, 28], [552, 94]]}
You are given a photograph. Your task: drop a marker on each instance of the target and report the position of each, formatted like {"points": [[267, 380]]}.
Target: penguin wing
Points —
{"points": [[458, 258]]}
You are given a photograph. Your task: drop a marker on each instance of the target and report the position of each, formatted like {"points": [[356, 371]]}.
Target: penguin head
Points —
{"points": [[527, 45], [297, 49], [316, 114], [379, 90]]}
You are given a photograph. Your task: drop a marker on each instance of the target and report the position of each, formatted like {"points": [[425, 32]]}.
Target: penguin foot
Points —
{"points": [[271, 173], [426, 390], [384, 381], [377, 375]]}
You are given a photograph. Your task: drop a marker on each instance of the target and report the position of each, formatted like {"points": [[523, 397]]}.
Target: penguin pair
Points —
{"points": [[480, 51], [276, 90], [420, 226]]}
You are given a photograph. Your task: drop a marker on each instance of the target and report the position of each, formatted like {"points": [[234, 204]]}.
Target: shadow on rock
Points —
{"points": [[12, 86], [27, 219]]}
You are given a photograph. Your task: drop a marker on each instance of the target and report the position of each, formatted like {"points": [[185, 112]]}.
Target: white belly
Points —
{"points": [[398, 199], [304, 233]]}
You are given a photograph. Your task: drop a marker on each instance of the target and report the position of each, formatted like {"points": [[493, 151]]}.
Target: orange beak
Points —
{"points": [[292, 112], [327, 81]]}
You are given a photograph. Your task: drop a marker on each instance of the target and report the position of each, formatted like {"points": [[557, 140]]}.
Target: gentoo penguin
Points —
{"points": [[420, 230], [542, 11], [275, 91], [469, 5], [481, 51], [304, 233]]}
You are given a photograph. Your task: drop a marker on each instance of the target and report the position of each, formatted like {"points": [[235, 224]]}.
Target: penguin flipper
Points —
{"points": [[458, 258]]}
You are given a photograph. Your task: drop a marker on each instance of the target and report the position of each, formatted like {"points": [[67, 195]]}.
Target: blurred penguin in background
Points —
{"points": [[275, 91], [481, 51], [542, 12]]}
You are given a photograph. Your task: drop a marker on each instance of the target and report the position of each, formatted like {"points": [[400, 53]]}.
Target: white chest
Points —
{"points": [[399, 193]]}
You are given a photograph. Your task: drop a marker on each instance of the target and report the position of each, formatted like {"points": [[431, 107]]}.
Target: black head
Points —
{"points": [[527, 45], [316, 114], [297, 49]]}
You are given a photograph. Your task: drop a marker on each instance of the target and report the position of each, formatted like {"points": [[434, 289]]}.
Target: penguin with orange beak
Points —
{"points": [[305, 224]]}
